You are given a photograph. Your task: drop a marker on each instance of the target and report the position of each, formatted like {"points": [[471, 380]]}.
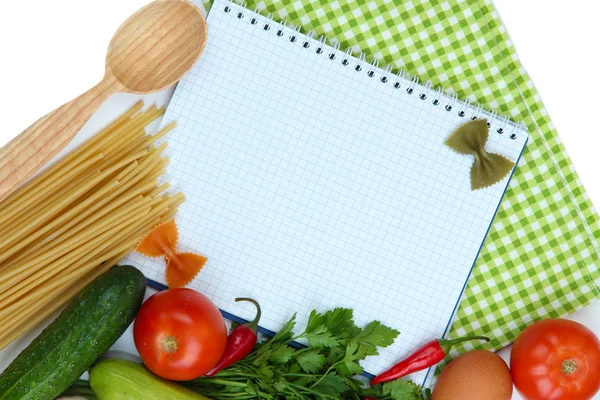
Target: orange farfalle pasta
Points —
{"points": [[162, 242]]}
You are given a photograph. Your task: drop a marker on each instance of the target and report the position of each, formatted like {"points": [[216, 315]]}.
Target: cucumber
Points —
{"points": [[115, 379], [85, 330]]}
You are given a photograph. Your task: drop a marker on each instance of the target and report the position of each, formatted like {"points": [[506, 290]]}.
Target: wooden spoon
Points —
{"points": [[151, 51]]}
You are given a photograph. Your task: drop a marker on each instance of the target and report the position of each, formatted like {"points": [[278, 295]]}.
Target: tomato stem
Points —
{"points": [[568, 367], [169, 344]]}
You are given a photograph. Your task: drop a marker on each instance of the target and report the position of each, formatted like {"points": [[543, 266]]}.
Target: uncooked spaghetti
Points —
{"points": [[78, 218]]}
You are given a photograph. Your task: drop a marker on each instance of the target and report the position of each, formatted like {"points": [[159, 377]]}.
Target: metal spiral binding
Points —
{"points": [[520, 127], [254, 20], [439, 93], [423, 96], [478, 111], [322, 44], [240, 13], [413, 82], [335, 49], [373, 70], [386, 72], [493, 118], [462, 113], [504, 123], [347, 55], [294, 36], [359, 64], [280, 31], [453, 100], [309, 36], [267, 26], [401, 76]]}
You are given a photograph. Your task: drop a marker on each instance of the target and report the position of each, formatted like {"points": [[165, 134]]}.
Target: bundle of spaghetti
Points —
{"points": [[79, 217]]}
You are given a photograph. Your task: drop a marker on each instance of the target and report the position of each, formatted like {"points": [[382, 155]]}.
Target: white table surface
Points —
{"points": [[549, 46], [555, 51]]}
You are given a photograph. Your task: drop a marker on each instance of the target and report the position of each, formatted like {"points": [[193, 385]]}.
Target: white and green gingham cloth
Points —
{"points": [[540, 258]]}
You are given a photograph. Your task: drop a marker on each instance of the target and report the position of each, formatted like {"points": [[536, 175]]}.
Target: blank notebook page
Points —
{"points": [[312, 185]]}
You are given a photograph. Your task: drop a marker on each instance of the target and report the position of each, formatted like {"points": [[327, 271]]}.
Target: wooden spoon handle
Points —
{"points": [[23, 156]]}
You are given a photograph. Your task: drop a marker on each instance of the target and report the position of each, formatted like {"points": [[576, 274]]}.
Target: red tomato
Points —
{"points": [[180, 334], [556, 359]]}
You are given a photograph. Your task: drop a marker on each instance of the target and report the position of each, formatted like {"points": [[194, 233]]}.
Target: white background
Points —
{"points": [[51, 51]]}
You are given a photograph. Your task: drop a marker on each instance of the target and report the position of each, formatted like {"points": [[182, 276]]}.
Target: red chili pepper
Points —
{"points": [[428, 355], [240, 342]]}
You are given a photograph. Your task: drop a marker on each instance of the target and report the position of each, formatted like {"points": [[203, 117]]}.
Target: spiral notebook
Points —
{"points": [[317, 180]]}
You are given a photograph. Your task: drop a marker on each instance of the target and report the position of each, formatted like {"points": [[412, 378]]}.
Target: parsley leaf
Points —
{"points": [[402, 389], [320, 337], [315, 320], [331, 385], [377, 334], [285, 334], [310, 361], [349, 364], [281, 353], [339, 322]]}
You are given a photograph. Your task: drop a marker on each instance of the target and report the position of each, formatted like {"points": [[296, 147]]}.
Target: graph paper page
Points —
{"points": [[312, 185]]}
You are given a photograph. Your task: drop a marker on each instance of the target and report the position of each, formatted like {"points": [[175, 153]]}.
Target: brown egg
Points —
{"points": [[476, 375]]}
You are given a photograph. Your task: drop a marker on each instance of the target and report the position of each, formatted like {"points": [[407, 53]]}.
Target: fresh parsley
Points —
{"points": [[325, 370]]}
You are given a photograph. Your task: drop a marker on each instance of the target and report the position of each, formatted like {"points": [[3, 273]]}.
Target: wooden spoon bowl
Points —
{"points": [[151, 51]]}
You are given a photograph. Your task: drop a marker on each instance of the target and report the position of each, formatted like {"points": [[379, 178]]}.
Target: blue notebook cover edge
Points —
{"points": [[477, 255]]}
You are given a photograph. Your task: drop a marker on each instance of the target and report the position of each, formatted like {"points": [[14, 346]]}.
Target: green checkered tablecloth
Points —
{"points": [[540, 259]]}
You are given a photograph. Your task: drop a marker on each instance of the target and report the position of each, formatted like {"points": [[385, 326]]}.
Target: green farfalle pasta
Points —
{"points": [[488, 168]]}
